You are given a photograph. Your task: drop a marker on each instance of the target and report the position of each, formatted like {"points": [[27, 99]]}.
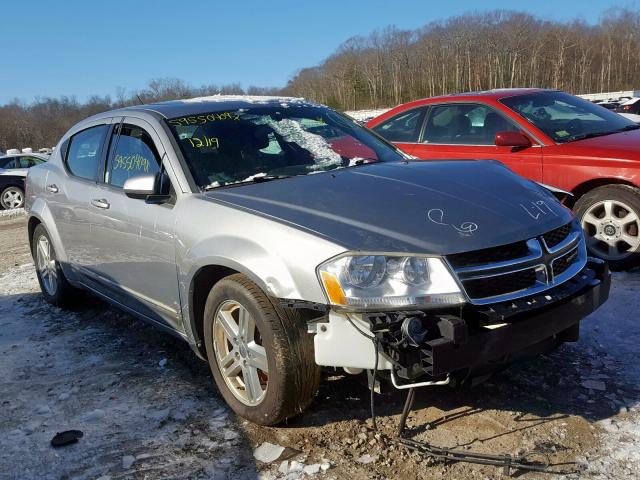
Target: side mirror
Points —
{"points": [[140, 186], [512, 139]]}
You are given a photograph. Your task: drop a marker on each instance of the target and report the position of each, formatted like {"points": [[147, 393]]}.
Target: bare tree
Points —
{"points": [[494, 49]]}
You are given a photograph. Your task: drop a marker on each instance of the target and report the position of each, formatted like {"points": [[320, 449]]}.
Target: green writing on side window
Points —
{"points": [[132, 162], [202, 119], [204, 141]]}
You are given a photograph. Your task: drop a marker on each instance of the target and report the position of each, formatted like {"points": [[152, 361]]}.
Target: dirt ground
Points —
{"points": [[149, 409], [13, 240]]}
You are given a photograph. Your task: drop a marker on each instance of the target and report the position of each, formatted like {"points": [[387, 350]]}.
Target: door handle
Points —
{"points": [[53, 188], [100, 203]]}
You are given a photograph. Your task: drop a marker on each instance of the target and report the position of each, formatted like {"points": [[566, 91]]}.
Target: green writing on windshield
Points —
{"points": [[204, 141], [202, 119]]}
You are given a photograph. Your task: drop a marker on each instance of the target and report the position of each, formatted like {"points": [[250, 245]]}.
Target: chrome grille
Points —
{"points": [[561, 264], [554, 237], [523, 268]]}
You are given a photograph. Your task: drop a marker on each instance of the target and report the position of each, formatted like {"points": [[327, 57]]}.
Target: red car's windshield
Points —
{"points": [[566, 118]]}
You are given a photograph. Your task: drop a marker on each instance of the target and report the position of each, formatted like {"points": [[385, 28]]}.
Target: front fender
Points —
{"points": [[280, 259], [240, 255], [245, 256]]}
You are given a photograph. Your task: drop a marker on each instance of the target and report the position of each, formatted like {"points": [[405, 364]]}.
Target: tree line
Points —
{"points": [[42, 122], [475, 51], [479, 51]]}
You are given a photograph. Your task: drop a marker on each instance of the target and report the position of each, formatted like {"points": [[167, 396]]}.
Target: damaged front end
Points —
{"points": [[521, 300]]}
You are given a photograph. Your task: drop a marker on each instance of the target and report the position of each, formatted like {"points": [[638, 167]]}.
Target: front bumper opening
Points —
{"points": [[475, 340]]}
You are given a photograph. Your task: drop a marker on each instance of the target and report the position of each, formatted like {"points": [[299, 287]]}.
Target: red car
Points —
{"points": [[547, 136]]}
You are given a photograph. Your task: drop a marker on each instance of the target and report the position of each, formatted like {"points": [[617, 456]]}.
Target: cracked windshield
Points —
{"points": [[259, 144]]}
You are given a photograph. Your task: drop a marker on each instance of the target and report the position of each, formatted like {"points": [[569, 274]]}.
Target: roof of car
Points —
{"points": [[495, 93], [199, 105], [44, 156]]}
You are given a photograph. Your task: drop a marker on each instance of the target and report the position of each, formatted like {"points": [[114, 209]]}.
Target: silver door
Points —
{"points": [[70, 185], [135, 240]]}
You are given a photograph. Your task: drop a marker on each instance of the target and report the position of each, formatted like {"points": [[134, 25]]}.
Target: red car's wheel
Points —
{"points": [[610, 218]]}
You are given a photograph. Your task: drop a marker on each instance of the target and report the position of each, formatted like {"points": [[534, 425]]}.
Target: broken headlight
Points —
{"points": [[371, 281]]}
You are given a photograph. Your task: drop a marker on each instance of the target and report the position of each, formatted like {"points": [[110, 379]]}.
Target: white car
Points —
{"points": [[632, 116], [13, 171]]}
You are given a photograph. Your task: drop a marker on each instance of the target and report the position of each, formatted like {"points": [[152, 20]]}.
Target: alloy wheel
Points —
{"points": [[46, 265], [612, 229], [239, 353], [12, 198]]}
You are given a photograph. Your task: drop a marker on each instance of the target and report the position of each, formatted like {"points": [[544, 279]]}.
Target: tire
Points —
{"points": [[12, 197], [281, 334], [610, 218], [58, 293]]}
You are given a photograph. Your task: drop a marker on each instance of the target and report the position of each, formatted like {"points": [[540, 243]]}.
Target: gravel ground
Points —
{"points": [[149, 409]]}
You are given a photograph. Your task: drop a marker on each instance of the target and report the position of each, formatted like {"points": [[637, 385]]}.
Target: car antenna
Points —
{"points": [[139, 99]]}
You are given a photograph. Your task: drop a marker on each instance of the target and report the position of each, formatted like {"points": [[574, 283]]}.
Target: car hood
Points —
{"points": [[439, 207], [623, 145]]}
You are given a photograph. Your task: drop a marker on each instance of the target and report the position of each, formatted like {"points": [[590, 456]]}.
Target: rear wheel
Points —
{"points": [[55, 288], [261, 355], [12, 197], [610, 218]]}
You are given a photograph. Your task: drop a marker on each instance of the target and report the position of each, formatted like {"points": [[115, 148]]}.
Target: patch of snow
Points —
{"points": [[268, 452], [296, 466], [252, 177], [258, 99], [311, 469], [284, 467], [366, 115], [367, 459], [359, 161], [12, 213]]}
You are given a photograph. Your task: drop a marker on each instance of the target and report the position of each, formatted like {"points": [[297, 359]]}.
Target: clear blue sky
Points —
{"points": [[92, 47]]}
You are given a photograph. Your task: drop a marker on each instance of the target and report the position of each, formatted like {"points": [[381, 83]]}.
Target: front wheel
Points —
{"points": [[12, 197], [261, 355], [610, 218]]}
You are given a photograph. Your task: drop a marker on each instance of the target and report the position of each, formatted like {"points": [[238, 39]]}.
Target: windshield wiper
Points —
{"points": [[260, 179], [626, 128]]}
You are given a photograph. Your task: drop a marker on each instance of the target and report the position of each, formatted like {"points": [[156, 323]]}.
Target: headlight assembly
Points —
{"points": [[368, 281]]}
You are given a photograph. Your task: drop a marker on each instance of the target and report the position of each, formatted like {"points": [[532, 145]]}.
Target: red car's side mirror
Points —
{"points": [[512, 139]]}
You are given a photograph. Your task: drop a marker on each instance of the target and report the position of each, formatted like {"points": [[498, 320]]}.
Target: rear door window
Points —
{"points": [[7, 163], [132, 153], [83, 154]]}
